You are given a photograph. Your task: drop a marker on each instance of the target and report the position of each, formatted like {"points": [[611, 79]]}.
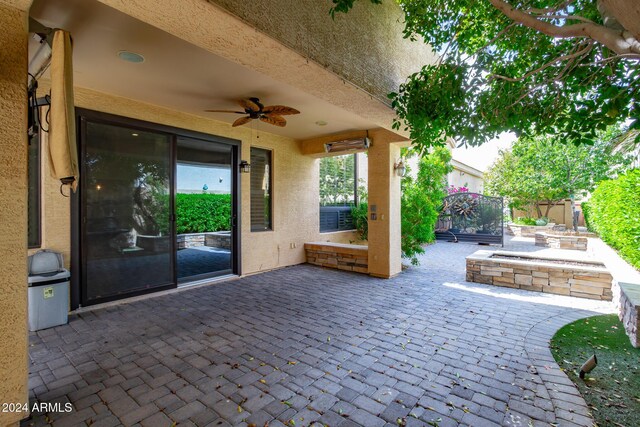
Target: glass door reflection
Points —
{"points": [[126, 209]]}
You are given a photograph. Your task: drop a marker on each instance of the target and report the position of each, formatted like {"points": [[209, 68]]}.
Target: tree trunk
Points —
{"points": [[550, 204], [574, 217], [538, 210], [626, 12]]}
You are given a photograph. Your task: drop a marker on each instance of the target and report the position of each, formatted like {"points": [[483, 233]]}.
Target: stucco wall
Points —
{"points": [[560, 214], [459, 178], [13, 211], [55, 209], [364, 46], [295, 191]]}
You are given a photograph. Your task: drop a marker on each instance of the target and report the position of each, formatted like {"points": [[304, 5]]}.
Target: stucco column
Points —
{"points": [[13, 210], [385, 256]]}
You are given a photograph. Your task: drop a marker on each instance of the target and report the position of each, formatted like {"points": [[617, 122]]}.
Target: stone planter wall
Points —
{"points": [[562, 279], [627, 299], [338, 255], [190, 240], [563, 240], [218, 240], [531, 230]]}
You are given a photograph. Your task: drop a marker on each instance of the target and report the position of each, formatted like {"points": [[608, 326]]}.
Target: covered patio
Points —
{"points": [[304, 345]]}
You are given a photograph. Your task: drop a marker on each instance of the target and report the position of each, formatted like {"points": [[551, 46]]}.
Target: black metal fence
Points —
{"points": [[336, 218], [471, 217]]}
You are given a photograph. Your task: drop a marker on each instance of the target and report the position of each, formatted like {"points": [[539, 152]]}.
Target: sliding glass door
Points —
{"points": [[204, 209], [126, 211], [157, 206]]}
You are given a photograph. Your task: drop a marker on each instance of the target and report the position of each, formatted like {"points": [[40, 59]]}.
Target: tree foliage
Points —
{"points": [[543, 169], [421, 201], [420, 204], [562, 67], [337, 180]]}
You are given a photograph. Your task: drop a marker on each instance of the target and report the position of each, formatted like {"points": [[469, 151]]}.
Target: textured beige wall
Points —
{"points": [[55, 209], [295, 192], [364, 46], [385, 258], [216, 30], [459, 178], [13, 211], [560, 214]]}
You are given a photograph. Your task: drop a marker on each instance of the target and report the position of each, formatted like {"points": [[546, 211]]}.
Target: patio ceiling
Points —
{"points": [[175, 73]]}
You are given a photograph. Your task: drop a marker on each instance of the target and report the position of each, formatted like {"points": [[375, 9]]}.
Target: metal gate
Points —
{"points": [[471, 217]]}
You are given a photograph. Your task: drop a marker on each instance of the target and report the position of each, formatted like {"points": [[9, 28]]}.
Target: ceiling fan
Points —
{"points": [[254, 109]]}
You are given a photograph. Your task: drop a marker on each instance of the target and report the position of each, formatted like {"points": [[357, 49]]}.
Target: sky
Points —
{"points": [[482, 157], [193, 178]]}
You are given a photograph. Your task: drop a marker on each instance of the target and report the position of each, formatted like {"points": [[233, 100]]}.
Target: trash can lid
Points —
{"points": [[48, 278]]}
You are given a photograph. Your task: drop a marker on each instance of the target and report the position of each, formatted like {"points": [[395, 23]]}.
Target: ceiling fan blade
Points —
{"points": [[241, 121], [225, 111], [274, 120], [248, 104], [281, 110]]}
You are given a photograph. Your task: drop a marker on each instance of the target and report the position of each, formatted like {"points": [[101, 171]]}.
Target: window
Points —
{"points": [[33, 206], [338, 192], [261, 191]]}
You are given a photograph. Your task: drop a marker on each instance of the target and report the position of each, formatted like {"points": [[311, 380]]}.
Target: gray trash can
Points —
{"points": [[48, 290], [48, 300]]}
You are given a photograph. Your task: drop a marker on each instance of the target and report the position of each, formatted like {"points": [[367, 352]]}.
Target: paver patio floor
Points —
{"points": [[304, 345]]}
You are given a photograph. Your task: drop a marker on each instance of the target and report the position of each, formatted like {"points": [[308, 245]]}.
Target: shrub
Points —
{"points": [[360, 215], [198, 213], [587, 215], [614, 213], [525, 220], [422, 202]]}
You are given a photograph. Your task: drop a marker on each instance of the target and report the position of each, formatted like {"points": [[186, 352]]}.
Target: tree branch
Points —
{"points": [[547, 65], [616, 41]]}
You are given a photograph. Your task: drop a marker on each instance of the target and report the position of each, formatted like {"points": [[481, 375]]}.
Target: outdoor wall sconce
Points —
{"points": [[245, 167], [400, 168]]}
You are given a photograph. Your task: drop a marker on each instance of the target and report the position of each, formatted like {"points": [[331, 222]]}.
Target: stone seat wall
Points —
{"points": [[563, 240], [338, 255]]}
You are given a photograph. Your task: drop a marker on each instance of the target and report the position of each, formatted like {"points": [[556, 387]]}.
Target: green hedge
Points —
{"points": [[614, 213], [197, 213]]}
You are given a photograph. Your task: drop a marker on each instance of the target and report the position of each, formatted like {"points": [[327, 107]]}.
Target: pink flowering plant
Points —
{"points": [[453, 189]]}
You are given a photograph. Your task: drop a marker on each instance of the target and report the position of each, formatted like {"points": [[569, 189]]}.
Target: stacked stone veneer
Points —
{"points": [[338, 255], [531, 230], [563, 240], [218, 240], [627, 299], [214, 240], [562, 279]]}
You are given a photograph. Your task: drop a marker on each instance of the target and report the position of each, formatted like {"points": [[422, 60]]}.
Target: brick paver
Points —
{"points": [[306, 346]]}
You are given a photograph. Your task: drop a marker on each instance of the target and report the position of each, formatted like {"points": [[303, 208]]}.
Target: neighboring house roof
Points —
{"points": [[466, 169]]}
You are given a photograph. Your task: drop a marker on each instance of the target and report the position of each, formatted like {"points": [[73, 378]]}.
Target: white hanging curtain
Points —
{"points": [[63, 150]]}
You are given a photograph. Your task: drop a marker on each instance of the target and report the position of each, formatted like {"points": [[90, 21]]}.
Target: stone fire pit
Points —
{"points": [[521, 270]]}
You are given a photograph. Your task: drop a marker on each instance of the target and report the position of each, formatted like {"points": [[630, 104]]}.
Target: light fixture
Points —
{"points": [[98, 187], [125, 55], [245, 167], [588, 366], [134, 134], [400, 168], [321, 123], [353, 144]]}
